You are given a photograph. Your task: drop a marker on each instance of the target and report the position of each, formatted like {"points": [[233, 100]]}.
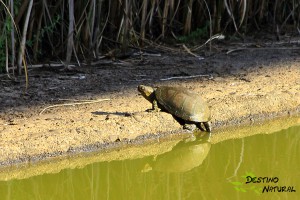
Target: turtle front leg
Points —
{"points": [[155, 107]]}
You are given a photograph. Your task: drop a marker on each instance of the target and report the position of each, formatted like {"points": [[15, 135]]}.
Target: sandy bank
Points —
{"points": [[247, 94]]}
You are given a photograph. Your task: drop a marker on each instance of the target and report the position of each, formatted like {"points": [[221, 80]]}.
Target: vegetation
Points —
{"points": [[83, 30]]}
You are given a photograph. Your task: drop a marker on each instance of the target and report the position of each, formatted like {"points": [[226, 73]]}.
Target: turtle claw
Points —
{"points": [[153, 110], [150, 110]]}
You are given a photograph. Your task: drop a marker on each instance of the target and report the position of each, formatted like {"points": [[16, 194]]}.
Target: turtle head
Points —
{"points": [[147, 92]]}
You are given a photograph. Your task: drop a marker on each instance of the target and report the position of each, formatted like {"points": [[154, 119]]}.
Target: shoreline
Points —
{"points": [[154, 146]]}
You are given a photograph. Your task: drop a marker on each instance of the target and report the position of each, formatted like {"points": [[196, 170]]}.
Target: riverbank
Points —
{"points": [[241, 87]]}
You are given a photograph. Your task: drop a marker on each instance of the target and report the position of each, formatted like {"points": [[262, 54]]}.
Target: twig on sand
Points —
{"points": [[72, 104], [217, 36], [190, 52], [263, 48], [185, 77]]}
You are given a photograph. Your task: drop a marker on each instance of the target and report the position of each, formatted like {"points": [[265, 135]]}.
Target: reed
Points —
{"points": [[83, 30]]}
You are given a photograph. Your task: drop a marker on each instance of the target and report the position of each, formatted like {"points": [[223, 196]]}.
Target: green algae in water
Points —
{"points": [[191, 170]]}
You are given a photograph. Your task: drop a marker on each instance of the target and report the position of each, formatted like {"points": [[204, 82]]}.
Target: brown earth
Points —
{"points": [[98, 107]]}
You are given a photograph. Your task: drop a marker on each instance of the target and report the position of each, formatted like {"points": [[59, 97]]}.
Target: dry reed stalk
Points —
{"points": [[228, 7], [125, 26], [261, 10], [70, 32], [173, 12], [6, 56], [13, 41], [143, 20], [164, 18], [23, 40], [94, 20], [21, 12], [188, 19], [243, 4], [151, 14], [210, 25], [291, 14], [97, 33], [38, 32]]}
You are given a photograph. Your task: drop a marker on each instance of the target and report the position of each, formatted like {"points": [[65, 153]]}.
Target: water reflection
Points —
{"points": [[199, 170], [185, 156]]}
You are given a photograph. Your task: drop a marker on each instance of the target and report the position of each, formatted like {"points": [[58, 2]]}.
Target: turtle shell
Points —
{"points": [[183, 103]]}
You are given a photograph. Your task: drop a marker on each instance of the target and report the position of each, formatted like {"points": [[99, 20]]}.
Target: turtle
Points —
{"points": [[187, 107]]}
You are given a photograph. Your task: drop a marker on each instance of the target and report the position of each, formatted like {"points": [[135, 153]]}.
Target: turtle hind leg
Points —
{"points": [[190, 127], [207, 126], [182, 122], [200, 127], [179, 120]]}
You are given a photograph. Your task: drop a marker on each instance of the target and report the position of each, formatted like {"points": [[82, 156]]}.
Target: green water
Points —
{"points": [[192, 170]]}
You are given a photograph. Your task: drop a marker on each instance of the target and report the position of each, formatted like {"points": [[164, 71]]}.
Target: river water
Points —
{"points": [[264, 166]]}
